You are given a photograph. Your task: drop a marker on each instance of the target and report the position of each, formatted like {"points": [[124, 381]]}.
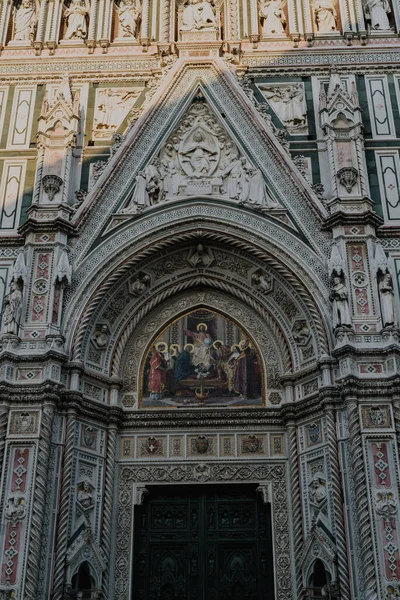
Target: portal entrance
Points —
{"points": [[203, 543]]}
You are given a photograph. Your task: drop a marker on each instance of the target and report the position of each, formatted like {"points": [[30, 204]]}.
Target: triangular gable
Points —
{"points": [[242, 124]]}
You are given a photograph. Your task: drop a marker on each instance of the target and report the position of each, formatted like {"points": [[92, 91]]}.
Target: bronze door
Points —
{"points": [[203, 542]]}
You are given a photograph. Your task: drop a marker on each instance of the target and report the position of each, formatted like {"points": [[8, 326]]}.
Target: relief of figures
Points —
{"points": [[25, 21], [325, 16], [199, 159], [111, 107], [289, 103], [129, 13], [376, 11], [273, 20], [76, 17], [199, 15], [202, 359]]}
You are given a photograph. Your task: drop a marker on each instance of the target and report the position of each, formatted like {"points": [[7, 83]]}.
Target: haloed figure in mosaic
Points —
{"points": [[202, 358]]}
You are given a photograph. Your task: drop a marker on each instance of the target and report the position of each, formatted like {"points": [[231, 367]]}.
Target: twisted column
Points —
{"points": [[39, 502], [63, 517], [108, 504], [296, 504], [338, 504], [368, 581], [3, 431]]}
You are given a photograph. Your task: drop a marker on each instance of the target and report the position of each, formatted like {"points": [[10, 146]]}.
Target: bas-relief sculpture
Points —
{"points": [[289, 103], [129, 14], [112, 106], [273, 20], [202, 359], [376, 11], [199, 159], [325, 16], [76, 16], [25, 21], [199, 15]]}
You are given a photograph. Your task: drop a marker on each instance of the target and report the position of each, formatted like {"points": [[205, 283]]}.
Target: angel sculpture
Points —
{"points": [[25, 21], [129, 12], [76, 17], [272, 17]]}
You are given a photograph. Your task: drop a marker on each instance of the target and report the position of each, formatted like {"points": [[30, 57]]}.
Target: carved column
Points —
{"points": [[90, 42], [361, 500], [295, 502], [39, 499], [55, 21], [145, 24], [164, 21], [340, 534], [64, 508], [5, 15], [4, 410], [108, 502], [38, 43], [254, 26]]}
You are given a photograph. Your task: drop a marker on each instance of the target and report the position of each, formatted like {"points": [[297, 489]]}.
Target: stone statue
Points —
{"points": [[288, 102], [129, 13], [199, 154], [272, 17], [111, 103], [200, 257], [12, 309], [199, 15], [325, 16], [101, 336], [25, 21], [377, 12], [16, 508], [386, 296], [85, 496], [256, 192], [170, 173], [149, 189], [76, 17], [339, 296], [317, 489]]}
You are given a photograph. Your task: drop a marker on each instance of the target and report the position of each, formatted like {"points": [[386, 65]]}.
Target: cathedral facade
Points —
{"points": [[199, 280]]}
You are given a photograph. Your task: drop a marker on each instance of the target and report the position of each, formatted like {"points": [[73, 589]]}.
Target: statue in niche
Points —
{"points": [[199, 15], [25, 21], [288, 102], [129, 13], [12, 309], [273, 20], [76, 16], [377, 12], [386, 296], [340, 298], [149, 189], [325, 16]]}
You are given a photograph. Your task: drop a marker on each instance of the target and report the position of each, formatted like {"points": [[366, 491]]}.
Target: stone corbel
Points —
{"points": [[265, 491], [139, 494]]}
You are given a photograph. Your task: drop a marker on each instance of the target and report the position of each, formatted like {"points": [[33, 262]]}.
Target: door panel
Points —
{"points": [[209, 543]]}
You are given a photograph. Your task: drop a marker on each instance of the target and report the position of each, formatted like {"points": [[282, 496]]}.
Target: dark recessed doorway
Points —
{"points": [[203, 542]]}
